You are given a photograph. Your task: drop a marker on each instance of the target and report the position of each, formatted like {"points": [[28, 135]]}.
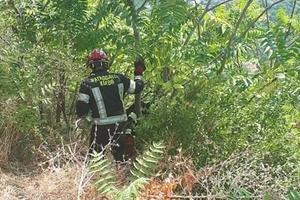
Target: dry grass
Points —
{"points": [[8, 132], [61, 183], [62, 176], [242, 175], [7, 137]]}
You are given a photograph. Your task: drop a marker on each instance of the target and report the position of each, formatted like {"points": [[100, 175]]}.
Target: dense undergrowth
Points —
{"points": [[222, 81], [66, 174]]}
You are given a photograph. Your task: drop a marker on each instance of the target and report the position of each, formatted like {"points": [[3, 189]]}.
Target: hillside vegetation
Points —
{"points": [[222, 81]]}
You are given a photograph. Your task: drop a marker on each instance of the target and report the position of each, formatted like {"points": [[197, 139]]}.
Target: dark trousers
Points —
{"points": [[122, 144]]}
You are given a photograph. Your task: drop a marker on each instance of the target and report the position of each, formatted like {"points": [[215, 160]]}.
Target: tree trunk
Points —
{"points": [[60, 96], [137, 97]]}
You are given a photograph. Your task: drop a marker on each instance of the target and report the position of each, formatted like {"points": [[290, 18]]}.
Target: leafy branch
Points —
{"points": [[258, 17], [232, 41], [233, 35], [200, 18]]}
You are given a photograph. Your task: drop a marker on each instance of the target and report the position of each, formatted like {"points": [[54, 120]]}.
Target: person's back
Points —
{"points": [[107, 91], [103, 93]]}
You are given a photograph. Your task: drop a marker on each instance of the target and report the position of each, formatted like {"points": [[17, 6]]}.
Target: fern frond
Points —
{"points": [[105, 172], [132, 191], [145, 164], [142, 168], [177, 13]]}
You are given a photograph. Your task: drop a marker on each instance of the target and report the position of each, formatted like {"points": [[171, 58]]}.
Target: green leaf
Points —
{"points": [[293, 195]]}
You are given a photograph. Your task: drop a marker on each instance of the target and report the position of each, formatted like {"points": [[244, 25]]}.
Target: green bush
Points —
{"points": [[218, 115]]}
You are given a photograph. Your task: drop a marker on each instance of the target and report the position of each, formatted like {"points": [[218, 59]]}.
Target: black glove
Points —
{"points": [[139, 66]]}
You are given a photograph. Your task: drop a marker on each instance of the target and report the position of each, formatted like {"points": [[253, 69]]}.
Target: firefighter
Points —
{"points": [[103, 93]]}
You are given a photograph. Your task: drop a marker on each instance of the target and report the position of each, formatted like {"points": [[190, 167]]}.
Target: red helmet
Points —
{"points": [[97, 55]]}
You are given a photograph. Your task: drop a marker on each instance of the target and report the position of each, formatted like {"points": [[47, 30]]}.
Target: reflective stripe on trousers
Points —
{"points": [[110, 120]]}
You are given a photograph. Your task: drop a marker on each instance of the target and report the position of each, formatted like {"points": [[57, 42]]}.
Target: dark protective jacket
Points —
{"points": [[103, 93]]}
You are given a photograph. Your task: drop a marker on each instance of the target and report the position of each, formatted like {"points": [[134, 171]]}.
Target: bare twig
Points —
{"points": [[60, 105], [199, 19], [4, 40], [290, 22], [85, 177], [141, 7], [215, 6], [133, 23], [198, 25], [71, 110], [291, 43], [265, 3]]}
